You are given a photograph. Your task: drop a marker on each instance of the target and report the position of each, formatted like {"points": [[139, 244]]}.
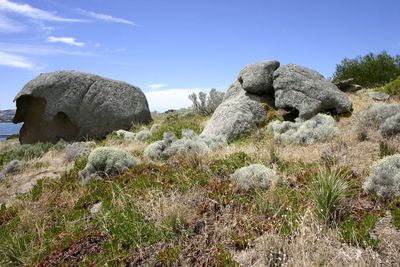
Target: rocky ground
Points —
{"points": [[186, 211]]}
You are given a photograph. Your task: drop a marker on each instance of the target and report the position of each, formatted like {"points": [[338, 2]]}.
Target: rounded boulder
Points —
{"points": [[73, 105]]}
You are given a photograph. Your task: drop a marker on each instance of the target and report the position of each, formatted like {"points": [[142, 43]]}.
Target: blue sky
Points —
{"points": [[171, 48]]}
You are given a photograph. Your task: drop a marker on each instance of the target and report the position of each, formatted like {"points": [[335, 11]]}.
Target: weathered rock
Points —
{"points": [[238, 114], [72, 105], [344, 84], [378, 96], [258, 78], [348, 85], [307, 91]]}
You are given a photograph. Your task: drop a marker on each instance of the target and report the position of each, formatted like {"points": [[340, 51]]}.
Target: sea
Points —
{"points": [[7, 129]]}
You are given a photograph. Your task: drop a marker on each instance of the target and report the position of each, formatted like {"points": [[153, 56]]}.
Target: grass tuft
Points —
{"points": [[328, 192]]}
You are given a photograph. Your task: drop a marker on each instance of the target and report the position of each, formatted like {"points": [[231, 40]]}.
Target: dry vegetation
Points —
{"points": [[186, 210]]}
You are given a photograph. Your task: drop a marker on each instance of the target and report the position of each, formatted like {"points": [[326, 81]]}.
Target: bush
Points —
{"points": [[206, 105], [75, 150], [254, 176], [107, 160], [391, 126], [140, 136], [328, 192], [189, 144], [24, 152], [385, 177], [319, 128], [374, 117], [12, 167], [156, 150], [370, 70], [392, 88]]}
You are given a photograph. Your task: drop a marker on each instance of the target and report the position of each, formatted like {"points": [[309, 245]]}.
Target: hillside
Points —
{"points": [[186, 210], [7, 115]]}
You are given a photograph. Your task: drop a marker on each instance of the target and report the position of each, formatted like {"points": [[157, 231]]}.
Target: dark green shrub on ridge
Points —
{"points": [[371, 70]]}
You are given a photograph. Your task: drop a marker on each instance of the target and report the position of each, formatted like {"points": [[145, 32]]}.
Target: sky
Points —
{"points": [[173, 48]]}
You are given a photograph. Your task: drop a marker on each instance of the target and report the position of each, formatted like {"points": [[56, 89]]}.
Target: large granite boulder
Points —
{"points": [[238, 114], [258, 78], [308, 92], [72, 105]]}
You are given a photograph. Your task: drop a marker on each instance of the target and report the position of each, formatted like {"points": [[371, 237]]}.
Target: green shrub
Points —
{"points": [[328, 191], [392, 88], [24, 152], [371, 70]]}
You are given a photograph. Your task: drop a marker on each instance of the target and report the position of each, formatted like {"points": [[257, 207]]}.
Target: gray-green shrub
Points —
{"points": [[374, 117], [319, 128], [190, 143], [140, 136], [254, 176], [107, 160], [384, 179], [391, 126], [76, 150]]}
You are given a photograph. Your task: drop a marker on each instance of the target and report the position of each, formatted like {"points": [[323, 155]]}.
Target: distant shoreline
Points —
{"points": [[8, 129]]}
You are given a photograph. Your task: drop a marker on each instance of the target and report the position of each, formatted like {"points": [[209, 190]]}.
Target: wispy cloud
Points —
{"points": [[65, 40], [32, 12], [40, 50], [104, 17], [156, 86], [9, 25], [16, 61]]}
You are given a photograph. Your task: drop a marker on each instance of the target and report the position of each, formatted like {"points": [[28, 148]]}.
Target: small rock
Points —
{"points": [[378, 96], [96, 208]]}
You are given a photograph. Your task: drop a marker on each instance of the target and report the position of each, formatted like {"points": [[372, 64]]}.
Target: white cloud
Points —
{"points": [[105, 17], [156, 86], [16, 61], [65, 40], [163, 100], [9, 25], [40, 50], [32, 12]]}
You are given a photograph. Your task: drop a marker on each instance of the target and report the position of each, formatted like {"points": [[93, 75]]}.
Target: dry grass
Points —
{"points": [[311, 245], [51, 165]]}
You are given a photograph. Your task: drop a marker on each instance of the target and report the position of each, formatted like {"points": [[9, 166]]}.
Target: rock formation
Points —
{"points": [[72, 105], [307, 91], [263, 87]]}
